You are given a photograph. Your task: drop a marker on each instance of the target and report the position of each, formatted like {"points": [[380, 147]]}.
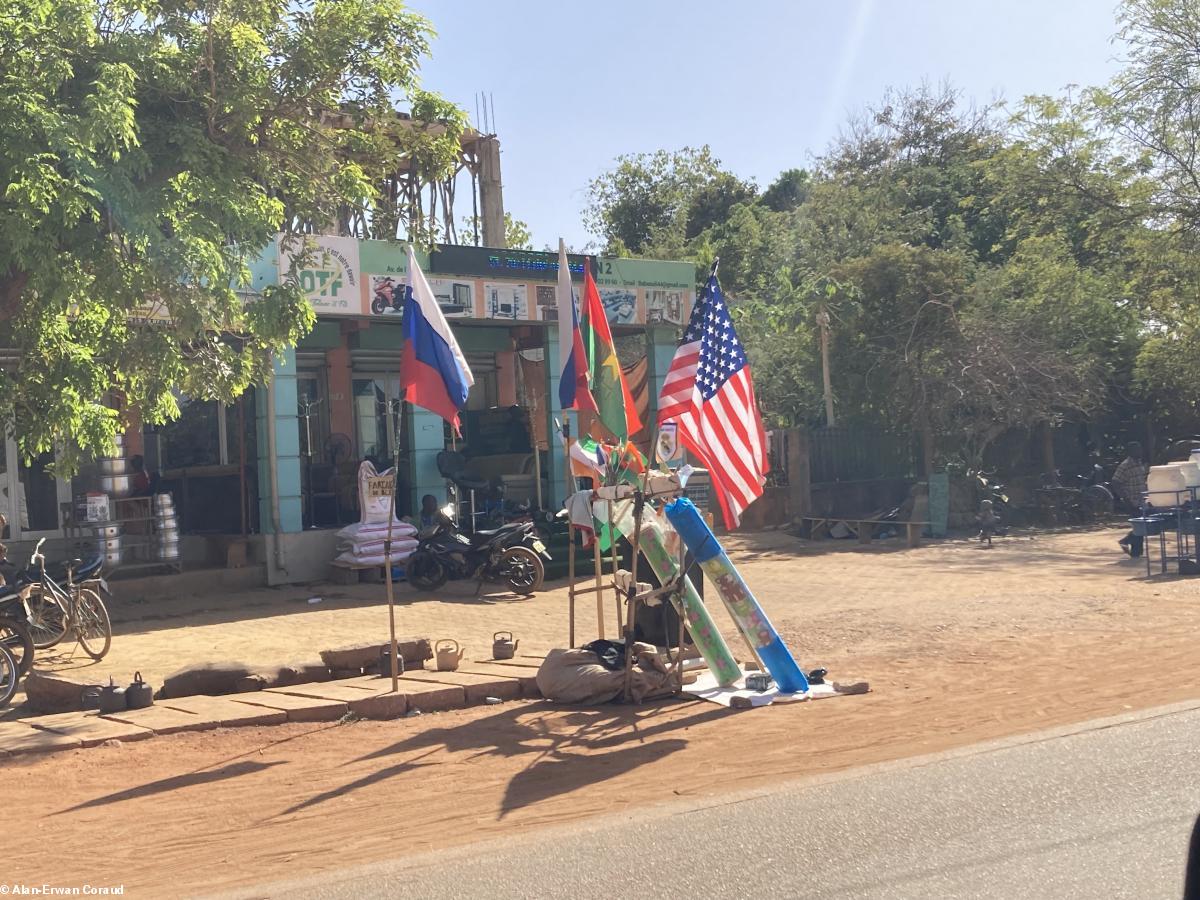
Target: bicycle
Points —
{"points": [[75, 609], [10, 676]]}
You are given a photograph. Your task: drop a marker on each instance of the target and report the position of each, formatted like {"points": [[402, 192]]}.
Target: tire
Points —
{"points": [[1099, 500], [378, 306], [10, 677], [47, 623], [425, 571], [93, 630], [15, 636], [522, 570]]}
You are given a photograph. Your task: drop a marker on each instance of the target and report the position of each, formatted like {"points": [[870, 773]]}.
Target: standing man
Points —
{"points": [[1129, 482]]}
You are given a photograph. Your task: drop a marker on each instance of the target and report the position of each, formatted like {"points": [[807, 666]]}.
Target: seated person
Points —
{"points": [[140, 478]]}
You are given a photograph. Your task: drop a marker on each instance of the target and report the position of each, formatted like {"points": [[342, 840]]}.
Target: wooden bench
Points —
{"points": [[863, 529]]}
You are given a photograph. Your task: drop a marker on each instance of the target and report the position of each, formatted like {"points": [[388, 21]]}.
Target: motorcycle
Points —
{"points": [[512, 554], [388, 296]]}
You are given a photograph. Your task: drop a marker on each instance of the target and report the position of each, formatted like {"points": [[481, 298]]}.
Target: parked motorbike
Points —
{"points": [[511, 554]]}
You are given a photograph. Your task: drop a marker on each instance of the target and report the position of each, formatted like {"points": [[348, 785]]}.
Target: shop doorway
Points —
{"points": [[376, 418], [31, 498]]}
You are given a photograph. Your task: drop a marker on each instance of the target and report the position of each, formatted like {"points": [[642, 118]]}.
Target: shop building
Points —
{"points": [[279, 466]]}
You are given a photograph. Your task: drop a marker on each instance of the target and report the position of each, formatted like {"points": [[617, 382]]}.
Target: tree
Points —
{"points": [[787, 191], [1153, 103], [660, 199], [148, 151], [517, 235]]}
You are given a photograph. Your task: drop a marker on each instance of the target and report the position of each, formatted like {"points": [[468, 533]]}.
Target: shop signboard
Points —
{"points": [[487, 262], [348, 277], [326, 268]]}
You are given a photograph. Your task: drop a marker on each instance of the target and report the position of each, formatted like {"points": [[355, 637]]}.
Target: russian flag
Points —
{"points": [[573, 390], [433, 371]]}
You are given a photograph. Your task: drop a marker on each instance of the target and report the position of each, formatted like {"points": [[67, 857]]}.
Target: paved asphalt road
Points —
{"points": [[1103, 810]]}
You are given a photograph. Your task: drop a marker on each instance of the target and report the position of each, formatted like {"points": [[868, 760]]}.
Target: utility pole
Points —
{"points": [[823, 323]]}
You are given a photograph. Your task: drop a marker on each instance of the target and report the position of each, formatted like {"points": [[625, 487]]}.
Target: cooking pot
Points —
{"points": [[168, 534], [116, 486], [107, 530], [168, 550], [113, 465]]}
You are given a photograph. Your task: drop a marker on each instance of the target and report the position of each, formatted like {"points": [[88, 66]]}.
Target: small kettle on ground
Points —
{"points": [[448, 654], [112, 698], [503, 645], [139, 694]]}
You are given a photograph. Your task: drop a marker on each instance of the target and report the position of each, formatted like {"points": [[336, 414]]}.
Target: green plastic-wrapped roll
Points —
{"points": [[703, 630]]}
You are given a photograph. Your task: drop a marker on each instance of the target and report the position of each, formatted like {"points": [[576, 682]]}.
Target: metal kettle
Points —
{"points": [[139, 694], [448, 654], [503, 645], [112, 698]]}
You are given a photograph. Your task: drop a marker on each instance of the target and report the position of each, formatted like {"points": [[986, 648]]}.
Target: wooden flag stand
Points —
{"points": [[626, 602], [600, 586], [387, 552]]}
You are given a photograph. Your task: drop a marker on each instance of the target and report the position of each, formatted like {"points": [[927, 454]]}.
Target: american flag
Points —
{"points": [[708, 392]]}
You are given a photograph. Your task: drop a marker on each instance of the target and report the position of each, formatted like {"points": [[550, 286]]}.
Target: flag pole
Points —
{"points": [[387, 547], [566, 433]]}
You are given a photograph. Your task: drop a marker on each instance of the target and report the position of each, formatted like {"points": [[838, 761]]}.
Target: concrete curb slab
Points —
{"points": [[16, 738], [163, 719], [298, 709], [226, 712], [91, 728]]}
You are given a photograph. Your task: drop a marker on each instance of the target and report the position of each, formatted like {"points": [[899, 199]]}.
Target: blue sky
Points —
{"points": [[766, 83]]}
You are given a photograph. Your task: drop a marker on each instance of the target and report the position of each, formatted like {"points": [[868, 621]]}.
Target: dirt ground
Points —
{"points": [[960, 645]]}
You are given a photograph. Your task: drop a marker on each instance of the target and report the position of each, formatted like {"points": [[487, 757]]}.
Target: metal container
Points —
{"points": [[107, 530], [116, 486], [503, 645], [112, 558], [110, 545], [168, 550], [163, 503], [139, 694], [112, 698], [113, 466], [168, 535]]}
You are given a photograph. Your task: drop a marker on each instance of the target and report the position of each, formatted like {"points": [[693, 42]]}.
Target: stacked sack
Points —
{"points": [[362, 543]]}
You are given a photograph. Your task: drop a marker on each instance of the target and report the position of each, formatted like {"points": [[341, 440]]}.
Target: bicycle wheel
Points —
{"points": [[9, 676], [47, 621], [15, 636], [92, 628]]}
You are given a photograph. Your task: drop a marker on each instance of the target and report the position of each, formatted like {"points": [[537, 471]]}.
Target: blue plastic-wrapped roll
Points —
{"points": [[735, 594]]}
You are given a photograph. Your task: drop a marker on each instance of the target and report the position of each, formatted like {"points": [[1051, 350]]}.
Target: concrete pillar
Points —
{"points": [[660, 350], [287, 448], [424, 435], [491, 193]]}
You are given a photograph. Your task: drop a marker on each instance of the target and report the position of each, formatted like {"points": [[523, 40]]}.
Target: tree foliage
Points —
{"points": [[983, 269], [148, 150]]}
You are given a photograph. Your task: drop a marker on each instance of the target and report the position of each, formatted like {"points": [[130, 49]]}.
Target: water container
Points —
{"points": [[1167, 486], [1191, 473]]}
